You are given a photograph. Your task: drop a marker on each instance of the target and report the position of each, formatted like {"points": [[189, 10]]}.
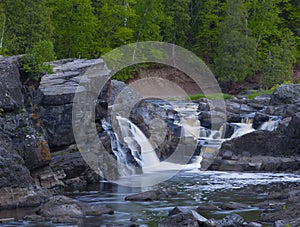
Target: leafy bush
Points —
{"points": [[33, 62]]}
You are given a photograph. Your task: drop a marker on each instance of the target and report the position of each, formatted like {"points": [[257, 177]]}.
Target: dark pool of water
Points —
{"points": [[194, 188]]}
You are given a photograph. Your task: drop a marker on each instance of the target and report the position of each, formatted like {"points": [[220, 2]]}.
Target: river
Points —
{"points": [[194, 188]]}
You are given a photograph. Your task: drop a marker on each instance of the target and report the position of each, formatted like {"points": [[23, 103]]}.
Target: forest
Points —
{"points": [[238, 39]]}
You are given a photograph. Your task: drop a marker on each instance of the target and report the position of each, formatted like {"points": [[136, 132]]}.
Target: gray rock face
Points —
{"points": [[115, 88], [23, 146], [156, 122], [285, 94], [57, 91], [11, 97]]}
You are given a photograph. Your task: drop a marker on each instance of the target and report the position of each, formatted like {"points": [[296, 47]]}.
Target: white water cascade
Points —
{"points": [[144, 152], [146, 156]]}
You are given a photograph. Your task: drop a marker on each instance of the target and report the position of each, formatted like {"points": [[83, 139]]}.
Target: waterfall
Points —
{"points": [[133, 136], [125, 167], [242, 129], [270, 125]]}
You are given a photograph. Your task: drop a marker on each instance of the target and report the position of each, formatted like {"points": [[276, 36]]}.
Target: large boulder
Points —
{"points": [[285, 94], [64, 209], [257, 151], [56, 92]]}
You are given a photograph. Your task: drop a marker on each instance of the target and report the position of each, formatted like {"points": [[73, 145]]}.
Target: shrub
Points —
{"points": [[33, 62]]}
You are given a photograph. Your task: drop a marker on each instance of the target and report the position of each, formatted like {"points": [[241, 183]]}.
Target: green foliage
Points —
{"points": [[33, 62], [75, 28], [116, 20], [27, 22], [206, 17], [177, 31], [236, 51], [278, 65], [260, 93], [1, 111], [237, 39], [220, 96]]}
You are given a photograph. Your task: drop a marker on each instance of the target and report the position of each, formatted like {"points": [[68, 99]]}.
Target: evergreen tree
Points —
{"points": [[75, 27], [26, 23], [116, 22], [150, 16], [177, 31], [206, 16], [278, 66], [236, 51]]}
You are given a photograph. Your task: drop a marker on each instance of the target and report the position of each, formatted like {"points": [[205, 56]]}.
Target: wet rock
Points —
{"points": [[63, 209], [182, 216], [115, 89], [233, 206], [152, 195], [207, 207], [259, 119], [254, 224], [285, 93], [230, 220]]}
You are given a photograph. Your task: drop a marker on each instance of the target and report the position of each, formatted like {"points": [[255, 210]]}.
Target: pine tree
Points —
{"points": [[236, 51], [205, 21], [26, 23], [177, 31], [150, 16], [74, 28], [116, 23]]}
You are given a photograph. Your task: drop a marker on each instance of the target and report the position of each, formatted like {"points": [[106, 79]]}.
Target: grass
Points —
{"points": [[260, 93], [217, 96]]}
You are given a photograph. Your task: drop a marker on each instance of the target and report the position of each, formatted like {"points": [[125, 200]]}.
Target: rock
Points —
{"points": [[58, 91], [11, 97], [70, 168], [285, 94], [279, 223], [61, 206], [182, 216], [115, 89], [152, 195], [259, 119], [46, 178], [207, 207], [229, 221], [233, 206], [156, 120], [61, 209], [254, 224], [133, 219], [20, 197]]}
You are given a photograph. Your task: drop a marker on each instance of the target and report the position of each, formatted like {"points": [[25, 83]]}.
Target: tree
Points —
{"points": [[26, 22], [116, 22], [75, 27], [206, 17], [150, 16], [177, 31], [278, 66], [236, 51]]}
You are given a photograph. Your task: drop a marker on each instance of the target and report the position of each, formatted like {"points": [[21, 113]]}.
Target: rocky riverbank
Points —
{"points": [[39, 158], [267, 149]]}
